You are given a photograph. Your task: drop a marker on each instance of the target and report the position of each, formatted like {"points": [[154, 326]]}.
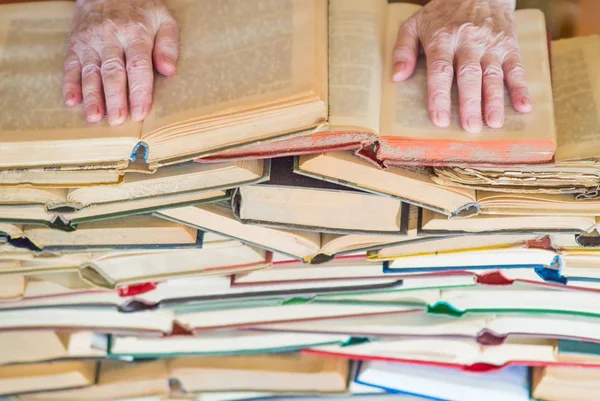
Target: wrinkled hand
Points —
{"points": [[477, 38], [112, 45]]}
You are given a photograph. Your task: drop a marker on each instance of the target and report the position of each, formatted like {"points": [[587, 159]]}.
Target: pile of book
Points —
{"points": [[287, 223]]}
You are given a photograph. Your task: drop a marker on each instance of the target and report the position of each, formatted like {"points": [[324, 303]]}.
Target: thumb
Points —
{"points": [[166, 47], [406, 50]]}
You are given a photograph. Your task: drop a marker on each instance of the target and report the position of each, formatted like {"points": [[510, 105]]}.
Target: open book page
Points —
{"points": [[33, 46], [575, 64], [238, 56], [356, 45], [404, 105]]}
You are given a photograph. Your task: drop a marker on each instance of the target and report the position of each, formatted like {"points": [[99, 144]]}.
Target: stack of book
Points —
{"points": [[288, 224]]}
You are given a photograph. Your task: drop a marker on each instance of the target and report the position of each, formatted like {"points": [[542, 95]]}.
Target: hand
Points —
{"points": [[111, 48], [478, 38]]}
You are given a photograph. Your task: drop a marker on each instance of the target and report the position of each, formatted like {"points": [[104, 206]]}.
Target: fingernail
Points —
{"points": [[92, 112], [443, 118], [398, 68], [474, 124], [138, 113], [169, 63], [69, 98], [526, 101], [115, 116], [495, 119]]}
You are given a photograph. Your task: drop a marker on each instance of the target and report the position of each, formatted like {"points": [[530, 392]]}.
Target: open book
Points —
{"points": [[237, 83], [431, 222], [424, 325], [239, 101], [111, 270], [68, 290], [178, 185], [173, 180], [310, 246], [466, 249], [134, 232], [457, 302], [367, 107], [576, 83], [465, 354], [533, 190], [415, 185], [217, 343]]}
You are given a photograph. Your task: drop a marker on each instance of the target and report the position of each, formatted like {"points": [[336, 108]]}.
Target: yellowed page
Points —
{"points": [[336, 243], [112, 269], [484, 196], [404, 105], [30, 346], [13, 230], [222, 220], [171, 180], [356, 45], [27, 195], [108, 209], [536, 204], [118, 380], [33, 44], [576, 81], [412, 184], [552, 180], [278, 373], [12, 286], [237, 56], [46, 376]]}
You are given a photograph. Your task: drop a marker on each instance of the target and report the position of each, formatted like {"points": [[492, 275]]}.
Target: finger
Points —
{"points": [[469, 80], [166, 47], [406, 50], [493, 90], [71, 87], [114, 81], [141, 78], [516, 83], [91, 85], [440, 74]]}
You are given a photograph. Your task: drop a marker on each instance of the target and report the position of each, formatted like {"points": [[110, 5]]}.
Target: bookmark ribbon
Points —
{"points": [[137, 289]]}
